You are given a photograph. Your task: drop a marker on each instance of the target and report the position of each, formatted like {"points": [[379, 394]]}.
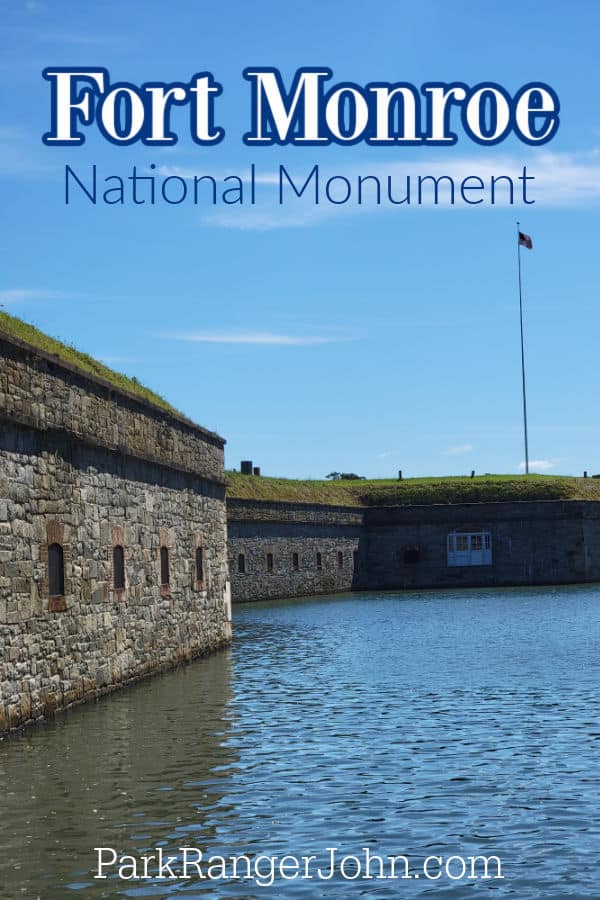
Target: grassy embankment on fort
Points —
{"points": [[16, 328], [388, 492]]}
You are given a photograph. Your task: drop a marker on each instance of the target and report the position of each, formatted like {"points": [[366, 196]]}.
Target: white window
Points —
{"points": [[470, 548]]}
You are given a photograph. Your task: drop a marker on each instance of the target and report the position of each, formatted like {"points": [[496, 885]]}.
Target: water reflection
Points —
{"points": [[144, 767], [452, 722]]}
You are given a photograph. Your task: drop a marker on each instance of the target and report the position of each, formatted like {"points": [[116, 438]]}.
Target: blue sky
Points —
{"points": [[313, 339]]}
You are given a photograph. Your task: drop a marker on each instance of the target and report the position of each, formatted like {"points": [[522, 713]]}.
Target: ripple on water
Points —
{"points": [[426, 723]]}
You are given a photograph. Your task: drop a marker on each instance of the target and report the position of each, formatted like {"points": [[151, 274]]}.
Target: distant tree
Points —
{"points": [[351, 476]]}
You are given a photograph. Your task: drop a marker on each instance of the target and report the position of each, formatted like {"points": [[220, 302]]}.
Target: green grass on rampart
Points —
{"points": [[417, 491], [14, 327]]}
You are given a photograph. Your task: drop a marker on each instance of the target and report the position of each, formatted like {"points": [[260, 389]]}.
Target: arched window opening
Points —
{"points": [[56, 571], [199, 564], [118, 568], [241, 563], [164, 566]]}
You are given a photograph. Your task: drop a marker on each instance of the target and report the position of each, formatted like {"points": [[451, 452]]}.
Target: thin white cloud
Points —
{"points": [[252, 219], [253, 337], [244, 175], [116, 360], [458, 451], [21, 295], [561, 180], [538, 465]]}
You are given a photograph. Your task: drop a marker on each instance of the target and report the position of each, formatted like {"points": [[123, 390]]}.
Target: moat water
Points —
{"points": [[455, 722]]}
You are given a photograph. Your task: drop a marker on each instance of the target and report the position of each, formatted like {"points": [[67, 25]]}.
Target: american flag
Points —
{"points": [[525, 241]]}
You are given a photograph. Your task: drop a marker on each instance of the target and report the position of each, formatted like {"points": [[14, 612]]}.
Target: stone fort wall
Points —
{"points": [[545, 542], [532, 542], [293, 550], [133, 497]]}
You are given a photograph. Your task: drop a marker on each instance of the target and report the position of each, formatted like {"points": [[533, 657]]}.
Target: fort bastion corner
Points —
{"points": [[113, 560]]}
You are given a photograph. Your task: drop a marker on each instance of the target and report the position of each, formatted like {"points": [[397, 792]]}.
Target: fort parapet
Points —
{"points": [[113, 557]]}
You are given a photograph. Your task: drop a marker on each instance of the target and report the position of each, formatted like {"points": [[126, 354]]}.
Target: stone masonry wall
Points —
{"points": [[257, 530], [546, 542], [146, 480], [40, 391]]}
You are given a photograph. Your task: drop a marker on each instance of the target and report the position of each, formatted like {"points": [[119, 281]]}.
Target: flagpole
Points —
{"points": [[522, 353]]}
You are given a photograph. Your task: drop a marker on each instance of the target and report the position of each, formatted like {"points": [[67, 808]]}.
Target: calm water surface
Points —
{"points": [[437, 723]]}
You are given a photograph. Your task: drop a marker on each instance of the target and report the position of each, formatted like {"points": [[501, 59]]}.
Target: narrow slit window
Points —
{"points": [[295, 562], [164, 566], [269, 562], [319, 561], [241, 563], [199, 564], [56, 571], [340, 559], [355, 560], [118, 568]]}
